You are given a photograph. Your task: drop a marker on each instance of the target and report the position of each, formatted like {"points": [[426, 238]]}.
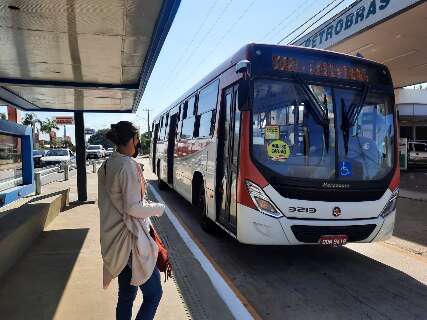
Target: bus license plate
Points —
{"points": [[334, 240]]}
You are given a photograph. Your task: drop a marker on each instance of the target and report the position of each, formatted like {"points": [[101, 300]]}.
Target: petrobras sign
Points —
{"points": [[64, 120], [358, 16]]}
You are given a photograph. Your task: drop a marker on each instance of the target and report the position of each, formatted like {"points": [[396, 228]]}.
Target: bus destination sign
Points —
{"points": [[318, 68]]}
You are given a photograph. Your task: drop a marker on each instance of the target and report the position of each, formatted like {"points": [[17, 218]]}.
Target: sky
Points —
{"points": [[203, 35]]}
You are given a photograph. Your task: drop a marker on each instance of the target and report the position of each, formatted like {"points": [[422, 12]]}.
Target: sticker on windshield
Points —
{"points": [[272, 133], [345, 169], [278, 150]]}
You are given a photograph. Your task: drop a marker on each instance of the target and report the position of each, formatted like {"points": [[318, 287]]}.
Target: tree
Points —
{"points": [[31, 120], [3, 116], [145, 142], [47, 127], [99, 138]]}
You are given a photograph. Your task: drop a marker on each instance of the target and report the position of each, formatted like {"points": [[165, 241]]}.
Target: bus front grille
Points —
{"points": [[312, 234]]}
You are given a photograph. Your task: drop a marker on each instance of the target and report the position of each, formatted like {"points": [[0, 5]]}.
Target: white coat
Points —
{"points": [[124, 220]]}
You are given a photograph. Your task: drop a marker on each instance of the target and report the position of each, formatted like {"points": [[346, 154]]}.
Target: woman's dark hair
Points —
{"points": [[121, 132]]}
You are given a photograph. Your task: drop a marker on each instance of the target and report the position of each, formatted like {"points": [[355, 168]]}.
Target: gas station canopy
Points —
{"points": [[392, 32], [68, 55]]}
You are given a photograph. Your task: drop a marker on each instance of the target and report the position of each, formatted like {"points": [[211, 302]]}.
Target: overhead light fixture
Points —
{"points": [[399, 56]]}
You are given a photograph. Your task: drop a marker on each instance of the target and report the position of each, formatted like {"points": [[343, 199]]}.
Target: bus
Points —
{"points": [[283, 145]]}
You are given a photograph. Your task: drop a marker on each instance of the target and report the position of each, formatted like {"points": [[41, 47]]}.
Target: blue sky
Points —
{"points": [[203, 35]]}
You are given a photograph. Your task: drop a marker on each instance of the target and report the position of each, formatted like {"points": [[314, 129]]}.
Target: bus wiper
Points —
{"points": [[349, 117], [319, 111]]}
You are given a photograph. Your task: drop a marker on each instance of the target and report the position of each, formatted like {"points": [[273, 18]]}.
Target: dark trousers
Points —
{"points": [[151, 291]]}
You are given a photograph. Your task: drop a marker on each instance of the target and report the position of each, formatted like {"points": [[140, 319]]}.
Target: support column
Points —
{"points": [[80, 155]]}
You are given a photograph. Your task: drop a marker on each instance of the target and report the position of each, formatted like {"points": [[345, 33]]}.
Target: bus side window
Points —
{"points": [[206, 124], [188, 128], [161, 129], [191, 106], [208, 98], [178, 130]]}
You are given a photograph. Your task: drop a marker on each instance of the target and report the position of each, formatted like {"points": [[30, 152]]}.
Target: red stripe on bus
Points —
{"points": [[247, 169]]}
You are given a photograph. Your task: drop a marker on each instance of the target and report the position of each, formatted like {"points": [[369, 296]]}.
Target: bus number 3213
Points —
{"points": [[302, 209]]}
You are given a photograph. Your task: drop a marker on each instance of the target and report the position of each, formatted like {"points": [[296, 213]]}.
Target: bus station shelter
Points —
{"points": [[80, 56]]}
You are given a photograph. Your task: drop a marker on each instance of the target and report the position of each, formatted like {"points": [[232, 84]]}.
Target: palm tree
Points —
{"points": [[47, 127], [30, 119]]}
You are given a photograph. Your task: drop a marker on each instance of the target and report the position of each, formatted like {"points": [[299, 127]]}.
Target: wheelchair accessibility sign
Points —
{"points": [[345, 169]]}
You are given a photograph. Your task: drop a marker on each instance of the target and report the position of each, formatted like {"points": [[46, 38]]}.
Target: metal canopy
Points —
{"points": [[68, 55], [392, 32]]}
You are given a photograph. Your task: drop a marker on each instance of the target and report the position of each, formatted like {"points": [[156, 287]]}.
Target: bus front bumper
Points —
{"points": [[254, 227]]}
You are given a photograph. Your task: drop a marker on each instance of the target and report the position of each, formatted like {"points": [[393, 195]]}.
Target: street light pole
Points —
{"points": [[148, 118]]}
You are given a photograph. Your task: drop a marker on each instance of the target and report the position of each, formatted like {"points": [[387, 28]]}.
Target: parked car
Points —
{"points": [[58, 157], [109, 152], [417, 152], [95, 151], [37, 156]]}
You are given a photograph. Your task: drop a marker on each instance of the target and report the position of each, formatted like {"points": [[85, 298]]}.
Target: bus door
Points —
{"points": [[173, 121], [227, 162], [154, 146]]}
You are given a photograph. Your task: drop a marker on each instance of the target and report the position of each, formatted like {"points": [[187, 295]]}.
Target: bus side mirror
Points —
{"points": [[243, 95]]}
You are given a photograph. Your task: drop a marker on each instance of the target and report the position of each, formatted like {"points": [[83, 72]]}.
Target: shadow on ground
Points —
{"points": [[35, 285], [310, 282], [411, 221], [75, 204]]}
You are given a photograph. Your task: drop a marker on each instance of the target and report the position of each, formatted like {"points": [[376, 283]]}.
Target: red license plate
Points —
{"points": [[334, 240]]}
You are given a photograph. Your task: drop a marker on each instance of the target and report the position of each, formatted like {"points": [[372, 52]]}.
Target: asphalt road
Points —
{"points": [[359, 281]]}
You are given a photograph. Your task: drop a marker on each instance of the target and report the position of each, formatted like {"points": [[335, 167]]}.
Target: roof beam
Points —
{"points": [[16, 101], [67, 84]]}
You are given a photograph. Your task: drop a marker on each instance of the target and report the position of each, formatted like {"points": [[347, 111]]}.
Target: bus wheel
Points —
{"points": [[207, 224]]}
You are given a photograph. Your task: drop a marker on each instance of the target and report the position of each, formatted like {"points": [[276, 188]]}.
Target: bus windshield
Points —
{"points": [[289, 140]]}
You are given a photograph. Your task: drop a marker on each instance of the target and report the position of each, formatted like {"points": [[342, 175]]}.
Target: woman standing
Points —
{"points": [[128, 251]]}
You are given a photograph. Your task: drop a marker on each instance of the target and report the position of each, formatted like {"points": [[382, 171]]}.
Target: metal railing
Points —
{"points": [[10, 183], [49, 172], [43, 174]]}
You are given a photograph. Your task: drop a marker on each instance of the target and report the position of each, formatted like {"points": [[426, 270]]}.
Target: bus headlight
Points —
{"points": [[262, 201], [390, 205]]}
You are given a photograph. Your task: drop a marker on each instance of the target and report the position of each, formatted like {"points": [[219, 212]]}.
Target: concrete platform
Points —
{"points": [[23, 221], [60, 276]]}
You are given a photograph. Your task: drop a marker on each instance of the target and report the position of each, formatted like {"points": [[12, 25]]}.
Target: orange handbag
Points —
{"points": [[163, 263]]}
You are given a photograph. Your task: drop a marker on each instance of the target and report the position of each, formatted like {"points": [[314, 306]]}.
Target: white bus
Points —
{"points": [[284, 145]]}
